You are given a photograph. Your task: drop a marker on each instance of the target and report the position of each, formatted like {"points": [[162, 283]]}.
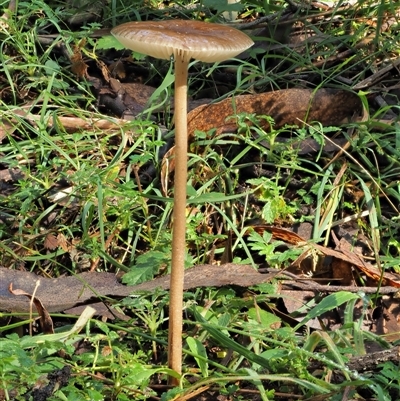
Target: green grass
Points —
{"points": [[83, 200]]}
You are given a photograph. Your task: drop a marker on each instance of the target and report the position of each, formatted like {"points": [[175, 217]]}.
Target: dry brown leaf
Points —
{"points": [[388, 321], [289, 106], [341, 271], [79, 67], [6, 128], [330, 107], [126, 99], [140, 93], [280, 233], [62, 242], [295, 300], [105, 71], [50, 241], [66, 292], [117, 70], [11, 174], [45, 320], [388, 279]]}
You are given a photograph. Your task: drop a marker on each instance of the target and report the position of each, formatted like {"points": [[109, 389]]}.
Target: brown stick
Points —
{"points": [[71, 124]]}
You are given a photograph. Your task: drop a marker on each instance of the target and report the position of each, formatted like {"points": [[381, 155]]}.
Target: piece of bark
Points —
{"points": [[67, 292], [292, 107], [286, 107]]}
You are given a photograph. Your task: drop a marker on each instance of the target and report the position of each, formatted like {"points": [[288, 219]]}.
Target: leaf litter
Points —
{"points": [[318, 268]]}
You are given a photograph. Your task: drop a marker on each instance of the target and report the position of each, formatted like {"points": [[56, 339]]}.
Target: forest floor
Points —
{"points": [[293, 231]]}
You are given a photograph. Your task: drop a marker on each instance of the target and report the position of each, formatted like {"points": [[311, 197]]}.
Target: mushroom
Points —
{"points": [[183, 40]]}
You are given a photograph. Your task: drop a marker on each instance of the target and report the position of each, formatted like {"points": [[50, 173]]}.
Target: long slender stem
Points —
{"points": [[179, 220]]}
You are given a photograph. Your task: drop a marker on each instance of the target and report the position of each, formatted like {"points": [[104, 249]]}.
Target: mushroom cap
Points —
{"points": [[202, 41]]}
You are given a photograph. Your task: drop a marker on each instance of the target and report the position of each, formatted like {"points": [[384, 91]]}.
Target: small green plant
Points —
{"points": [[76, 197], [21, 368], [275, 207], [267, 248], [150, 312], [388, 378]]}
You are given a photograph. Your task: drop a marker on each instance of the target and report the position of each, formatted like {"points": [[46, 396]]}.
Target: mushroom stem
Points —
{"points": [[179, 219]]}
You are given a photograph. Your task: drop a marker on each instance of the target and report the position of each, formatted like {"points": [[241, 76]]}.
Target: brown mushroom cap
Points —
{"points": [[188, 39]]}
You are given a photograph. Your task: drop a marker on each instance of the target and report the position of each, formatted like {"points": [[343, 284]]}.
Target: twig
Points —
{"points": [[373, 79], [312, 286], [71, 124], [258, 21], [294, 6]]}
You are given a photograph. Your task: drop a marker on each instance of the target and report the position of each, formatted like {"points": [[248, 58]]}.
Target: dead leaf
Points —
{"points": [[11, 174], [45, 320], [140, 93], [50, 241], [388, 321], [388, 279], [105, 71], [330, 107], [125, 99], [117, 70], [79, 67], [286, 107], [295, 300], [67, 292], [280, 233], [341, 271], [62, 242], [6, 128]]}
